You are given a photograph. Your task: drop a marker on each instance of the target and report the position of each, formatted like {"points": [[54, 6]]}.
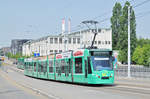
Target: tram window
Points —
{"points": [[57, 66], [30, 66], [69, 65], [63, 66], [50, 66], [34, 66], [78, 65], [89, 67], [45, 66], [41, 66]]}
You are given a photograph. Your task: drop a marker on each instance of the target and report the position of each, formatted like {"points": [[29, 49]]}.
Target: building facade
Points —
{"points": [[64, 42], [4, 50], [16, 45]]}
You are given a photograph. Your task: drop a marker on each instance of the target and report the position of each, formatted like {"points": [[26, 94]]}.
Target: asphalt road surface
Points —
{"points": [[9, 89], [57, 90]]}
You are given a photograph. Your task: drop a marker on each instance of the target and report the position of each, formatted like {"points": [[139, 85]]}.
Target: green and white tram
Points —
{"points": [[88, 66]]}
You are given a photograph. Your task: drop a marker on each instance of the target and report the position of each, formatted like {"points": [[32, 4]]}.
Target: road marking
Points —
{"points": [[29, 89], [11, 81], [131, 87]]}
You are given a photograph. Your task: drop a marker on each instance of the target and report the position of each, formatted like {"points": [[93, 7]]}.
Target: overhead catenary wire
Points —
{"points": [[140, 4], [108, 18]]}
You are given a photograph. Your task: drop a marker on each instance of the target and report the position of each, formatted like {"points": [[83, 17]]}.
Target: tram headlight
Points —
{"points": [[98, 76], [111, 75]]}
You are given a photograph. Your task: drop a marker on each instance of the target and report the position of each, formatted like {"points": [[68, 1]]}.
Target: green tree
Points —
{"points": [[115, 25], [123, 33], [142, 41], [141, 55], [138, 53]]}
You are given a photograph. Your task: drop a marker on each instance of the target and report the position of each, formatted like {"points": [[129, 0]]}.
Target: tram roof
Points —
{"points": [[100, 49]]}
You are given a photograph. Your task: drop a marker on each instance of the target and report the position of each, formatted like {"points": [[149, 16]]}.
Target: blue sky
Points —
{"points": [[32, 19]]}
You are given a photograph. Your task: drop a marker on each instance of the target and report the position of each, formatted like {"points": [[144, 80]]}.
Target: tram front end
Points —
{"points": [[102, 67]]}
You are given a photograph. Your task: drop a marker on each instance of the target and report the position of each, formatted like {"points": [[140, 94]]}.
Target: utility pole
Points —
{"points": [[129, 53], [92, 22], [80, 37]]}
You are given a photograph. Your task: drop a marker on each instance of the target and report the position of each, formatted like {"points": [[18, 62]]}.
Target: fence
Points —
{"points": [[136, 71]]}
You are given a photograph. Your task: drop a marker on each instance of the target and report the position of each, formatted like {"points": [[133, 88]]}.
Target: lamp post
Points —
{"points": [[129, 51]]}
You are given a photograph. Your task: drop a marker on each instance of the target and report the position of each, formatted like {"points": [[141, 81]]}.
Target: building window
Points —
{"points": [[69, 40], [51, 40], [60, 40], [74, 40], [60, 51], [78, 40], [103, 42], [55, 51], [99, 42], [99, 30], [95, 42], [108, 42], [51, 51], [56, 40]]}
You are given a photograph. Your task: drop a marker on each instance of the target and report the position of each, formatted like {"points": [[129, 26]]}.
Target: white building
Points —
{"points": [[55, 43]]}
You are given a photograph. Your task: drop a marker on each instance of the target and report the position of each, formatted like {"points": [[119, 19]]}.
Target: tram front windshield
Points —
{"points": [[101, 61]]}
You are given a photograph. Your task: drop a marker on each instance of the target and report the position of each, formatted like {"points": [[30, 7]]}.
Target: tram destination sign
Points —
{"points": [[63, 55]]}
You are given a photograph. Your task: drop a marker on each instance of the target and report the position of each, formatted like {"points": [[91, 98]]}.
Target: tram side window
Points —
{"points": [[69, 65], [89, 67], [30, 66], [45, 66], [57, 66], [50, 66], [62, 66], [25, 65], [39, 67], [42, 66], [78, 65], [34, 66]]}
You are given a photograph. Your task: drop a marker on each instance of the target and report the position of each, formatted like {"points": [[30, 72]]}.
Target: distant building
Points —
{"points": [[4, 50], [75, 40], [16, 45]]}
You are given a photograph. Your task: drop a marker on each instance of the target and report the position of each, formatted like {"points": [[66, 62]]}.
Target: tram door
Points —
{"points": [[86, 68], [80, 74], [68, 65]]}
